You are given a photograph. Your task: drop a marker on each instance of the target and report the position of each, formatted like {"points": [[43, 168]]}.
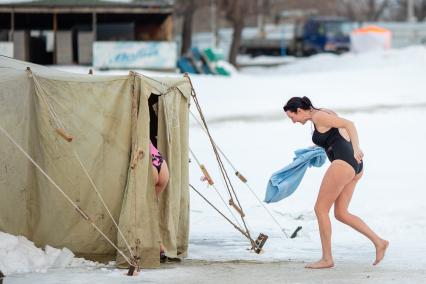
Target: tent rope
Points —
{"points": [[77, 208], [217, 191], [243, 180], [227, 219], [77, 156], [229, 186], [225, 176]]}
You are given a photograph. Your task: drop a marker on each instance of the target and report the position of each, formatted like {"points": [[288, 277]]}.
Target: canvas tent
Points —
{"points": [[109, 122], [370, 38]]}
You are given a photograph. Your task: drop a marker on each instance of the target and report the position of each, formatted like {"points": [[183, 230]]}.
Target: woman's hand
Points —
{"points": [[359, 155]]}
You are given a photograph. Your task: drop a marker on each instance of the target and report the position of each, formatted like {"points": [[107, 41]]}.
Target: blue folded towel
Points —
{"points": [[284, 182]]}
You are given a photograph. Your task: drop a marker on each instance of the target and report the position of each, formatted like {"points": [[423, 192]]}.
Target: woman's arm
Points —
{"points": [[325, 119]]}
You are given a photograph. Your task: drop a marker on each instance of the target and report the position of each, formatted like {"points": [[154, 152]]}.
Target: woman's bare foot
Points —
{"points": [[322, 263], [380, 251]]}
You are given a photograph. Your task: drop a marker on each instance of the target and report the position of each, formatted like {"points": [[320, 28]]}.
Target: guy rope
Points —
{"points": [[211, 182], [77, 208], [233, 201], [61, 130], [233, 198], [243, 180]]}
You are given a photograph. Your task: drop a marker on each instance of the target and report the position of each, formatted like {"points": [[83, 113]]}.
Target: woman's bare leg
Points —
{"points": [[163, 179], [337, 176], [160, 185], [154, 175], [341, 213]]}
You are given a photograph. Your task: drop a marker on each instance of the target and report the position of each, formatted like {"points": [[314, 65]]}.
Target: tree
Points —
{"points": [[401, 10], [262, 10], [364, 10], [420, 10], [186, 9], [375, 9], [234, 14]]}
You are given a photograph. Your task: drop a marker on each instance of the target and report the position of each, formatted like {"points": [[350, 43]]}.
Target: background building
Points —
{"points": [[67, 31]]}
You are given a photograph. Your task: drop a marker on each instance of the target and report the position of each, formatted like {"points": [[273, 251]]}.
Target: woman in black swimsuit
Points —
{"points": [[339, 138]]}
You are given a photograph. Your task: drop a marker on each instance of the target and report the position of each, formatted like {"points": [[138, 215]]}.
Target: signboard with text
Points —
{"points": [[131, 54]]}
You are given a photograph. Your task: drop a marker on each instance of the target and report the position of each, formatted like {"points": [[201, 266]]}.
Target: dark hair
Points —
{"points": [[297, 102]]}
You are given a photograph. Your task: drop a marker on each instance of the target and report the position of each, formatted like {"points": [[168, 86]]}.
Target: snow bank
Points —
{"points": [[346, 83], [393, 58], [19, 255]]}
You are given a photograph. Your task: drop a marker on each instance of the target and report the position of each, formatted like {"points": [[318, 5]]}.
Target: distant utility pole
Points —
{"points": [[215, 32], [260, 19], [410, 11]]}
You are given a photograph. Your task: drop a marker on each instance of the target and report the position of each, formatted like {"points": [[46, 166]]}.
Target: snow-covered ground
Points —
{"points": [[384, 93]]}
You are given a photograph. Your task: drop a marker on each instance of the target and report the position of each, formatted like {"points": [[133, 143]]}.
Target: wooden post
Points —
{"points": [[64, 134], [134, 119], [168, 28], [235, 206], [12, 26], [206, 175], [94, 26], [55, 28], [241, 177]]}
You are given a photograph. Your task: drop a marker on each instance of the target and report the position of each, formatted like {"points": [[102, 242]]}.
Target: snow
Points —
{"points": [[19, 255], [246, 60], [413, 56], [382, 92]]}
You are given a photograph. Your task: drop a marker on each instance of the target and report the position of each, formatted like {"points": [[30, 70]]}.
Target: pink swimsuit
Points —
{"points": [[157, 159]]}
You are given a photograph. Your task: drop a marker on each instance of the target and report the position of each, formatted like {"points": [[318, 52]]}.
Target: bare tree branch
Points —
{"points": [[420, 10], [379, 11]]}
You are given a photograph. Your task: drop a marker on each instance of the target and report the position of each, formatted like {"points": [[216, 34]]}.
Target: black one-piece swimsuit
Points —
{"points": [[336, 147]]}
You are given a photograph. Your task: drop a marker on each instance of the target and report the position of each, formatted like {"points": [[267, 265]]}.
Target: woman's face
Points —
{"points": [[298, 116]]}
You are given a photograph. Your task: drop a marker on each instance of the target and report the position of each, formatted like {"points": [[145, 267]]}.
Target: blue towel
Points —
{"points": [[284, 182]]}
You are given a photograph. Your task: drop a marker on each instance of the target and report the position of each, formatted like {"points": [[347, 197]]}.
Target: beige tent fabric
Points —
{"points": [[16, 172], [172, 213], [97, 116], [97, 112], [139, 214], [173, 138]]}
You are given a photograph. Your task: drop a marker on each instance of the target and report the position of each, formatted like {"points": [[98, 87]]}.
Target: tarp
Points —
{"points": [[370, 38], [108, 119]]}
